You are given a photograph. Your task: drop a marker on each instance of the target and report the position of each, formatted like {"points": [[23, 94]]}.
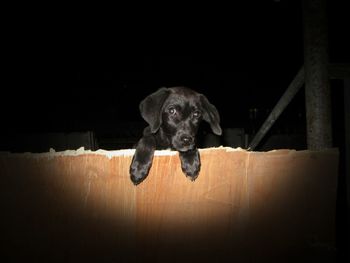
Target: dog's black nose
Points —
{"points": [[186, 140]]}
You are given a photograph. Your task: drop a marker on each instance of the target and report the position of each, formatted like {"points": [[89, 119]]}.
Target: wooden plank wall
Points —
{"points": [[244, 207]]}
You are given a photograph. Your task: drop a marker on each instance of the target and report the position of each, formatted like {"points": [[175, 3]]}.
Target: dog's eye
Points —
{"points": [[172, 110], [196, 114]]}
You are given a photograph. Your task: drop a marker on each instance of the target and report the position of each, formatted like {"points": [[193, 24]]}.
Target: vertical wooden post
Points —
{"points": [[347, 136], [317, 89]]}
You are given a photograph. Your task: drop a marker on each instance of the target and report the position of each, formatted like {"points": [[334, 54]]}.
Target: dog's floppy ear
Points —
{"points": [[151, 108], [211, 115]]}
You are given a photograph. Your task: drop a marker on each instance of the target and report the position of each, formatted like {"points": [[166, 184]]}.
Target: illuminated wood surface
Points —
{"points": [[82, 204]]}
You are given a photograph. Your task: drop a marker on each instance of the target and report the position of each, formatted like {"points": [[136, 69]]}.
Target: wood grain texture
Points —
{"points": [[243, 205]]}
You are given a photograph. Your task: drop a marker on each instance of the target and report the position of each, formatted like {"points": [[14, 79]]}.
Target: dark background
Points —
{"points": [[89, 72]]}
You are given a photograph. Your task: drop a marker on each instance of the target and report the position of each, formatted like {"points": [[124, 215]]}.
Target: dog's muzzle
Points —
{"points": [[183, 142], [186, 140]]}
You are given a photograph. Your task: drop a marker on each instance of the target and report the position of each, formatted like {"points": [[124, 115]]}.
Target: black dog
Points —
{"points": [[173, 115]]}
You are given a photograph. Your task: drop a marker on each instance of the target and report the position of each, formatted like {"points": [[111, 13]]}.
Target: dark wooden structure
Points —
{"points": [[317, 88]]}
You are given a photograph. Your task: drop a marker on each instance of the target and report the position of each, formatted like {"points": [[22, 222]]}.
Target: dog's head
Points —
{"points": [[176, 113]]}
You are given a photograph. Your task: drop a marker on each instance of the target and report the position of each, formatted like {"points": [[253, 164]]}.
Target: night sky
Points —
{"points": [[91, 76]]}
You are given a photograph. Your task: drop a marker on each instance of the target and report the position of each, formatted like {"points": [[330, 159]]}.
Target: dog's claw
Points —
{"points": [[136, 181], [192, 175], [138, 173], [192, 178]]}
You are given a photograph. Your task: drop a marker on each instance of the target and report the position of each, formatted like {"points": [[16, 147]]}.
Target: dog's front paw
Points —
{"points": [[136, 178], [138, 172], [190, 164], [191, 171]]}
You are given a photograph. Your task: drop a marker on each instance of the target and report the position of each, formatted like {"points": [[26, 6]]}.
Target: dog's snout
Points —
{"points": [[186, 139]]}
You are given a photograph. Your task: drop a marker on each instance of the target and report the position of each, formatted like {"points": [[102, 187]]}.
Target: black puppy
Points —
{"points": [[173, 115]]}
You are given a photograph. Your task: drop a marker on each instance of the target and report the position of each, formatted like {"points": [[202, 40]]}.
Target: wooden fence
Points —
{"points": [[244, 207]]}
